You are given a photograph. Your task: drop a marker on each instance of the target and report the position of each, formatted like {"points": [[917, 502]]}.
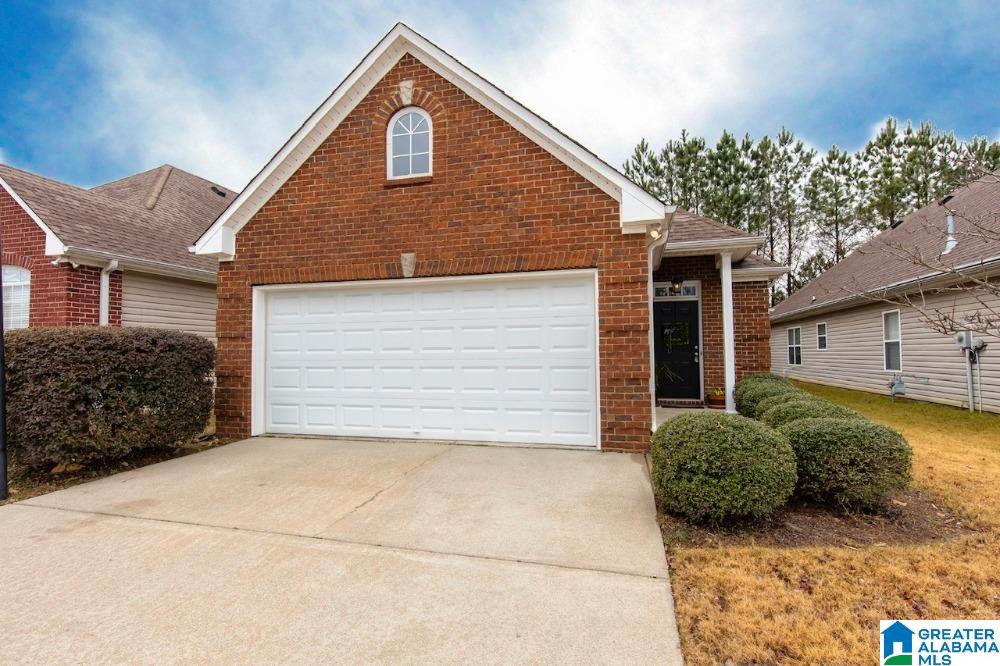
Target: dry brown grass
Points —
{"points": [[767, 605]]}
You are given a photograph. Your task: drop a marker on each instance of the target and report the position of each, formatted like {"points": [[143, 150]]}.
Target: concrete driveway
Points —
{"points": [[307, 550]]}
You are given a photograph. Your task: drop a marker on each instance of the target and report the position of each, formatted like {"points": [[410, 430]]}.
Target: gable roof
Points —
{"points": [[638, 208], [878, 265], [113, 221]]}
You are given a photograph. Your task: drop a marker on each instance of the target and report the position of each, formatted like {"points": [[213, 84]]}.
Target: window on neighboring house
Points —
{"points": [[409, 144], [795, 346], [821, 336], [891, 338], [16, 297]]}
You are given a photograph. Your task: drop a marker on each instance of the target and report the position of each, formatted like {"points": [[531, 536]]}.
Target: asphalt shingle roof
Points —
{"points": [[880, 262], [114, 217]]}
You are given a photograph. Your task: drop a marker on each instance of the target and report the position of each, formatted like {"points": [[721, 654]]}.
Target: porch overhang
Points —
{"points": [[737, 248]]}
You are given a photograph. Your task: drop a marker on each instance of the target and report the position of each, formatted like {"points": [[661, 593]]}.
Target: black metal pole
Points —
{"points": [[3, 401]]}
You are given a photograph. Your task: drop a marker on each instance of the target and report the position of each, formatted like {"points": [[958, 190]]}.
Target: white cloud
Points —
{"points": [[219, 91]]}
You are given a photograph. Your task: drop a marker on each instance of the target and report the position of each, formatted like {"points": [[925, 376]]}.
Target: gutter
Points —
{"points": [[100, 259]]}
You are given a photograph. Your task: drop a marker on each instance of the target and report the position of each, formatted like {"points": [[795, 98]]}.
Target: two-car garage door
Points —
{"points": [[494, 359]]}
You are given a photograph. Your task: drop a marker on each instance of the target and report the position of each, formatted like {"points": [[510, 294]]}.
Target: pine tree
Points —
{"points": [[690, 169], [792, 166], [831, 199], [728, 195], [883, 190]]}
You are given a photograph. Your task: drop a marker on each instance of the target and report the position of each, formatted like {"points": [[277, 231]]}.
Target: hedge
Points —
{"points": [[850, 462], [780, 399], [716, 467], [96, 394], [806, 408], [754, 388]]}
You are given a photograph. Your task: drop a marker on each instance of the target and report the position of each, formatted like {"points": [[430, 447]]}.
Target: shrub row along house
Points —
{"points": [[887, 314], [116, 254], [427, 258]]}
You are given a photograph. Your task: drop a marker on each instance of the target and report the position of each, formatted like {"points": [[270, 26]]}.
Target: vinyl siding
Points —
{"points": [[159, 302], [933, 367]]}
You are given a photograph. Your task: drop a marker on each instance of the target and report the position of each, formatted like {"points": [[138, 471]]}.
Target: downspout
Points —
{"points": [[657, 238], [104, 311]]}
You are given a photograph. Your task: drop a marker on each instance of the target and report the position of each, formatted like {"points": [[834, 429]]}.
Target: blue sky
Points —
{"points": [[93, 91]]}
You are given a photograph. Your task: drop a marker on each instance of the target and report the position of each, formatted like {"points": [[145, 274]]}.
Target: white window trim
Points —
{"points": [[826, 335], [23, 282], [899, 341], [430, 143], [678, 297], [789, 346]]}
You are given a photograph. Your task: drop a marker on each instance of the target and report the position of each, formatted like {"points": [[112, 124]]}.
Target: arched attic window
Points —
{"points": [[409, 148], [16, 297]]}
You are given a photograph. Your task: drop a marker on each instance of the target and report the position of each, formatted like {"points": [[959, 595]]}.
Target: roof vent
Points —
{"points": [[950, 240], [218, 191]]}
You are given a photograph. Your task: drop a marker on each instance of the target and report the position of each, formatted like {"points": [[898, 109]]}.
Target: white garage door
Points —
{"points": [[485, 359]]}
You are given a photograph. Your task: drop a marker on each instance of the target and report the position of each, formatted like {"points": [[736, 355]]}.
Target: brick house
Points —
{"points": [[116, 254], [427, 258]]}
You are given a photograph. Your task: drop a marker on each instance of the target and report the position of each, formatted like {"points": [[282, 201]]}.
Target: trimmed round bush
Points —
{"points": [[806, 408], [848, 462], [780, 399], [751, 390], [96, 394], [716, 467]]}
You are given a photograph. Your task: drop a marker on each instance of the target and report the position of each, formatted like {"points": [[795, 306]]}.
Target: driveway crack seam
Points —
{"points": [[347, 542], [382, 490]]}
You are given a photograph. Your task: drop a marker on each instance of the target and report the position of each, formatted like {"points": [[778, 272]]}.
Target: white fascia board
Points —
{"points": [[637, 207], [100, 259], [53, 245], [758, 273], [739, 247]]}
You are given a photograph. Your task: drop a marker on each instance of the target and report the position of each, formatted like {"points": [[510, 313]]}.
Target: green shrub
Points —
{"points": [[751, 390], [715, 467], [779, 399], [95, 394], [806, 408], [848, 462]]}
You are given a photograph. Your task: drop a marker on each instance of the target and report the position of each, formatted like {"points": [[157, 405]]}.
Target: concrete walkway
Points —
{"points": [[307, 550]]}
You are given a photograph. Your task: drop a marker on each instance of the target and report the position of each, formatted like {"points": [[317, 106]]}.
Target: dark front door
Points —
{"points": [[676, 351]]}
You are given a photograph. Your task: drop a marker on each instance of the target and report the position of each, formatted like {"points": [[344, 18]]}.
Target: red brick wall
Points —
{"points": [[751, 330], [60, 295], [753, 327], [496, 203]]}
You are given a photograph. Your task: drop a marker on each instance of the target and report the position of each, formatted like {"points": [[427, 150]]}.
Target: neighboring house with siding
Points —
{"points": [[116, 254], [859, 324]]}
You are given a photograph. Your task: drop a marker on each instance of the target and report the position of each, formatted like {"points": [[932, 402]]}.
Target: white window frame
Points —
{"points": [[791, 345], [686, 285], [825, 336], [388, 143], [23, 281], [898, 341]]}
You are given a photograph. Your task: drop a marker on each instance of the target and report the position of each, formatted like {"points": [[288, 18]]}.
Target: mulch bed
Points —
{"points": [[25, 483], [910, 517]]}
